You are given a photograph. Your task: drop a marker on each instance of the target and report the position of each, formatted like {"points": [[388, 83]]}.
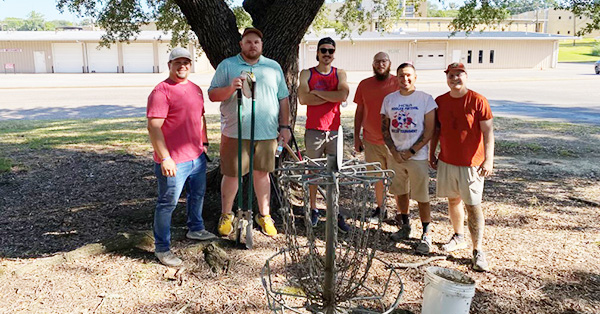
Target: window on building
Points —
{"points": [[558, 32], [580, 17], [491, 56], [568, 32], [480, 56], [570, 17], [469, 55], [559, 17]]}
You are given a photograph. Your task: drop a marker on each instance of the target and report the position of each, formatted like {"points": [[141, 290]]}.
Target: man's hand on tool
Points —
{"points": [[237, 82], [285, 135]]}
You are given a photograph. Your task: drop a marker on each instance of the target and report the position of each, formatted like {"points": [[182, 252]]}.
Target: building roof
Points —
{"points": [[408, 35], [74, 35], [67, 36]]}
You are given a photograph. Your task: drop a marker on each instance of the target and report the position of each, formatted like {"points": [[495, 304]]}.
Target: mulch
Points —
{"points": [[543, 241]]}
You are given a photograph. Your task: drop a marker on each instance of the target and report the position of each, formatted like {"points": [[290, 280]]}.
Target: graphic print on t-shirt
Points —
{"points": [[402, 120]]}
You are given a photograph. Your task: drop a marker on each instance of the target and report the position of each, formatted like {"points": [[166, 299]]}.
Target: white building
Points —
{"points": [[434, 50], [79, 52]]}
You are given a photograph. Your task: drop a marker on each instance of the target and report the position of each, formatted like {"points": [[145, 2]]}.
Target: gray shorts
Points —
{"points": [[320, 143]]}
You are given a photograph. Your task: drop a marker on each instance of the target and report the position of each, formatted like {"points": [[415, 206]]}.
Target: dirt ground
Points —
{"points": [[542, 234]]}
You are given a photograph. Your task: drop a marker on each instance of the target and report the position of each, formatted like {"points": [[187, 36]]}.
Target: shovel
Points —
{"points": [[244, 217]]}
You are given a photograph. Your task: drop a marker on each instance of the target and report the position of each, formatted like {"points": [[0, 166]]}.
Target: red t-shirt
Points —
{"points": [[182, 107], [370, 94], [461, 138], [324, 117]]}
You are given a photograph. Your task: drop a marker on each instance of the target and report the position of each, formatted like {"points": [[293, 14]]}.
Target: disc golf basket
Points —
{"points": [[318, 272]]}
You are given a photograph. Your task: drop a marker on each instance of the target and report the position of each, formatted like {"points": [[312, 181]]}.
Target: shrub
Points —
{"points": [[596, 50]]}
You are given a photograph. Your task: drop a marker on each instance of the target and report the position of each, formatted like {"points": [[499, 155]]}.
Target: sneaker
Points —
{"points": [[225, 224], [456, 243], [377, 215], [168, 258], [314, 217], [342, 225], [479, 261], [266, 224], [402, 234], [424, 247], [201, 235]]}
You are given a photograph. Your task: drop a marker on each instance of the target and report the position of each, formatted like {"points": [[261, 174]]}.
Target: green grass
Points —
{"points": [[120, 136], [5, 164], [581, 52]]}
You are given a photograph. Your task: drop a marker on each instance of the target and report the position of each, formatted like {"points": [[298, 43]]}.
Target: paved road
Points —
{"points": [[569, 93]]}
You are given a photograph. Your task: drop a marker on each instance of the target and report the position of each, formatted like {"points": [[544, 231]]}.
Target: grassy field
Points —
{"points": [[581, 52]]}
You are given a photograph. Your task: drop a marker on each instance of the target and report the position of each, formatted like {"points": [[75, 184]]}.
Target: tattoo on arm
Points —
{"points": [[419, 141], [385, 130]]}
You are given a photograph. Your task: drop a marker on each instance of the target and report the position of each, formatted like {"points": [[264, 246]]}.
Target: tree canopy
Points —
{"points": [[34, 22]]}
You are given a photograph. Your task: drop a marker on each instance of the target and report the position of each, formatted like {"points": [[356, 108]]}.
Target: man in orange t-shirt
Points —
{"points": [[368, 98], [466, 135]]}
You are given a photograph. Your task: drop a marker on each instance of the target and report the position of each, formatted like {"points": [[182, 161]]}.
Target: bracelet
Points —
{"points": [[412, 151], [166, 158], [285, 127]]}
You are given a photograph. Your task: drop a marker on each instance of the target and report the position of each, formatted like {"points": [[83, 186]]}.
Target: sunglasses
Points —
{"points": [[325, 50]]}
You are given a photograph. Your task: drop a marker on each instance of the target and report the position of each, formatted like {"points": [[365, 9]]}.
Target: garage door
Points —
{"points": [[138, 58], [103, 60], [163, 57], [68, 58], [430, 56]]}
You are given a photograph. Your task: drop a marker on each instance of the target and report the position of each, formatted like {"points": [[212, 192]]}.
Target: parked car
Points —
{"points": [[598, 67]]}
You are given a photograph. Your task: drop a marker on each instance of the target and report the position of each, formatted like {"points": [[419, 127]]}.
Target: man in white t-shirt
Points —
{"points": [[407, 124]]}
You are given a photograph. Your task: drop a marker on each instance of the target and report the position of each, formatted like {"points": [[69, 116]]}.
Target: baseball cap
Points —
{"points": [[180, 52], [456, 66], [326, 40], [253, 30]]}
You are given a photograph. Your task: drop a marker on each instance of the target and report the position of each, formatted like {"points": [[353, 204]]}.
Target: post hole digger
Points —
{"points": [[243, 228]]}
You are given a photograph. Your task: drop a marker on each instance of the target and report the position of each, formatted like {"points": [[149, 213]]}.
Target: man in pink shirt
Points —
{"points": [[177, 130]]}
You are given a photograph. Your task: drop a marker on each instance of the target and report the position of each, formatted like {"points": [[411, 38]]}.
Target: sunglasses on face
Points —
{"points": [[326, 50]]}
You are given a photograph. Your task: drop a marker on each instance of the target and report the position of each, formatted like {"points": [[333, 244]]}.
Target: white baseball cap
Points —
{"points": [[180, 52]]}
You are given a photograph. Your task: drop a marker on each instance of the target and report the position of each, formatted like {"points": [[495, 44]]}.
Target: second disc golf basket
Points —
{"points": [[319, 271]]}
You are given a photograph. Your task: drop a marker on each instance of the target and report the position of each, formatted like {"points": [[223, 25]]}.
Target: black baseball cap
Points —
{"points": [[325, 41]]}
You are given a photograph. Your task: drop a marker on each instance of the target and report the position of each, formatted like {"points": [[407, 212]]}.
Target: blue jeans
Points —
{"points": [[192, 176]]}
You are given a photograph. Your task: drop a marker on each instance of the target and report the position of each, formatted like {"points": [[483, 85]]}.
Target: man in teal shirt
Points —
{"points": [[272, 114]]}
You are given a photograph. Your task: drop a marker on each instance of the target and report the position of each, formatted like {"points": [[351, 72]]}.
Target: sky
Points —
{"points": [[21, 8]]}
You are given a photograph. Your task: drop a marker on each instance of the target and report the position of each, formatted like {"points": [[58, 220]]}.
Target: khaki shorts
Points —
{"points": [[320, 143], [412, 176], [264, 156], [377, 153], [455, 181]]}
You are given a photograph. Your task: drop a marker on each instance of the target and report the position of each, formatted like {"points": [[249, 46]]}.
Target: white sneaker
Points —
{"points": [[168, 258]]}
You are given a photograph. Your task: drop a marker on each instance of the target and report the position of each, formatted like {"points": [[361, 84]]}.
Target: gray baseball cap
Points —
{"points": [[180, 52]]}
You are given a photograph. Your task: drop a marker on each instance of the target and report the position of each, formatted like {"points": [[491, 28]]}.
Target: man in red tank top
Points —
{"points": [[322, 89]]}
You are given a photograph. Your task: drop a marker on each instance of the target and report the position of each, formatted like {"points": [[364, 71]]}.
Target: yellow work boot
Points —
{"points": [[267, 225], [226, 224]]}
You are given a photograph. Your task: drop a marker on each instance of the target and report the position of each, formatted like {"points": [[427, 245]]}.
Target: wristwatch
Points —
{"points": [[412, 151]]}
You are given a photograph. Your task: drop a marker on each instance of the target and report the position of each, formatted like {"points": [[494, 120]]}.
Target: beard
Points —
{"points": [[251, 55], [382, 76]]}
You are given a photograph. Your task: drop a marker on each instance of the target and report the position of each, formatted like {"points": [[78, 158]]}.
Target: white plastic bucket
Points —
{"points": [[447, 291]]}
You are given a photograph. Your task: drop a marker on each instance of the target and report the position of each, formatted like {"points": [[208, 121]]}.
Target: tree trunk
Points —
{"points": [[283, 24]]}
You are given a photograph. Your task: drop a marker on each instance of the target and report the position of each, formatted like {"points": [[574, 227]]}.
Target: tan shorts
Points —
{"points": [[320, 143], [264, 156], [455, 181], [412, 177], [377, 153]]}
